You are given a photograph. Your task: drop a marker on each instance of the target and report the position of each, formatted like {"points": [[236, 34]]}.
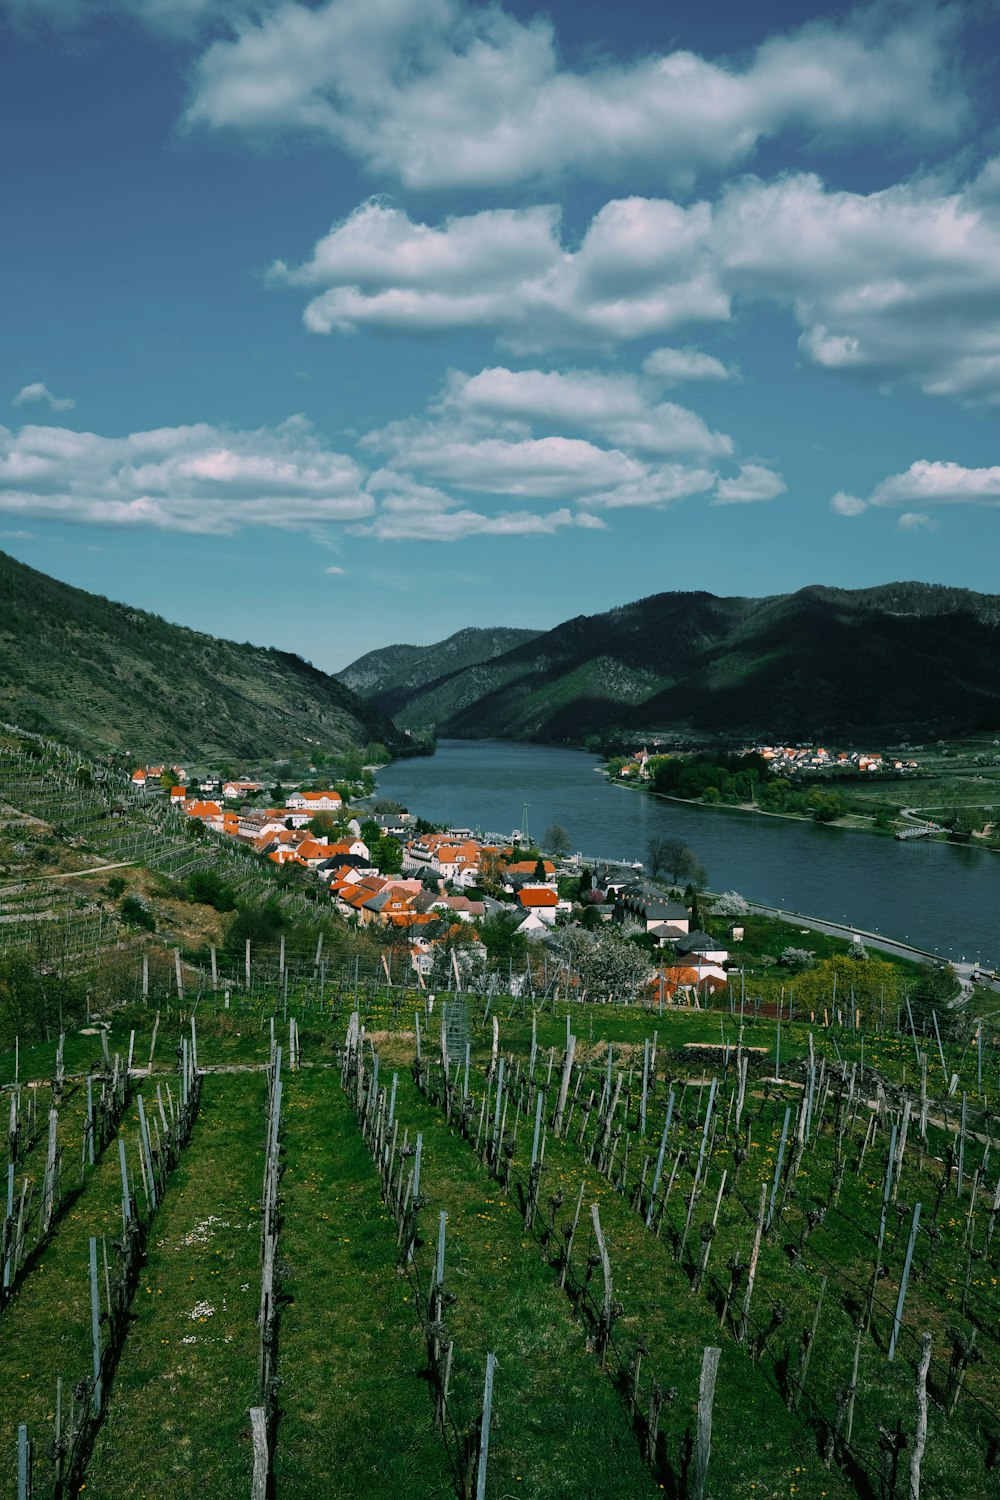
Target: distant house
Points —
{"points": [[700, 945], [685, 982], [636, 903], [315, 801], [534, 926], [540, 900]]}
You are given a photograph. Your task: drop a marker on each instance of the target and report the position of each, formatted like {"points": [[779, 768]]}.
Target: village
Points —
{"points": [[433, 888], [791, 760]]}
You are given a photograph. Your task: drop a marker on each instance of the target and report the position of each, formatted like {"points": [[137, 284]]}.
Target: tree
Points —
{"points": [[612, 968], [168, 779], [557, 841], [675, 858], [731, 904], [278, 794], [386, 855], [539, 868]]}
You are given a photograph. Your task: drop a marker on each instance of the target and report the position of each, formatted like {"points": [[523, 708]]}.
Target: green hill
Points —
{"points": [[104, 676], [395, 671], [906, 658]]}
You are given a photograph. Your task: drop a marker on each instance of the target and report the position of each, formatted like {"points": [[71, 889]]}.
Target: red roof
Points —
{"points": [[537, 895]]}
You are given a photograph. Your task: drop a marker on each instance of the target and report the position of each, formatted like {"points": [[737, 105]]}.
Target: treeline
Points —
{"points": [[738, 780]]}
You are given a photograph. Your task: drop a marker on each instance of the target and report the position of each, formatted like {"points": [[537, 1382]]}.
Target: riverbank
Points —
{"points": [[851, 822]]}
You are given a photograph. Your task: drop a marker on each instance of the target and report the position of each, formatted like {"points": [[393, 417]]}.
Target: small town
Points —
{"points": [[433, 887]]}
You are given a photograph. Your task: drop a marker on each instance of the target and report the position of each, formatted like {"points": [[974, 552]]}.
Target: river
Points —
{"points": [[941, 897]]}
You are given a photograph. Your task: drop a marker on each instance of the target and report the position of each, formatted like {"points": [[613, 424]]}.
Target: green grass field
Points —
{"points": [[355, 1401]]}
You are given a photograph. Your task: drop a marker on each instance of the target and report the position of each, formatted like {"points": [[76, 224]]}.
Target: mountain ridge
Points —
{"points": [[897, 658]]}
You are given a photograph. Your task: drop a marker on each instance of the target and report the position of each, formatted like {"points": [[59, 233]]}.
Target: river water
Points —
{"points": [[942, 897]]}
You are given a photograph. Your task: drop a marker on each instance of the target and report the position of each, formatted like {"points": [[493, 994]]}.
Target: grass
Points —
{"points": [[355, 1403], [45, 1330], [177, 1414], [560, 1429], [355, 1408]]}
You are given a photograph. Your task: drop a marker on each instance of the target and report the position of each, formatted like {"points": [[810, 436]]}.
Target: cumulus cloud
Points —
{"points": [[617, 408], [681, 366], [900, 285], [442, 94], [928, 482], [642, 267], [197, 479], [753, 482], [37, 392], [581, 437], [844, 504]]}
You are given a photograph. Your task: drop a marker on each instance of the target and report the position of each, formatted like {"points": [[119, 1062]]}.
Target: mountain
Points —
{"points": [[399, 669], [105, 676], [899, 659]]}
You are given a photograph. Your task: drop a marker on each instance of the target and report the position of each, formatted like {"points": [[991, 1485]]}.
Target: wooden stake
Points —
{"points": [[706, 1397]]}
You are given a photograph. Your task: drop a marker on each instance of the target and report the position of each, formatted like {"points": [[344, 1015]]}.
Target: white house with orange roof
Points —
{"points": [[327, 801]]}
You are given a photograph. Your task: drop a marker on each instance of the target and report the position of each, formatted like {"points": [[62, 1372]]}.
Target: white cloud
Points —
{"points": [[680, 366], [441, 94], [197, 479], [617, 408], [901, 285], [753, 482], [929, 482], [32, 395], [915, 520], [844, 504], [434, 525], [336, 572], [642, 267]]}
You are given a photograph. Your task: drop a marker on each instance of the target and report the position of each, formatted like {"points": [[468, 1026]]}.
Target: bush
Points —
{"points": [[136, 913], [209, 889]]}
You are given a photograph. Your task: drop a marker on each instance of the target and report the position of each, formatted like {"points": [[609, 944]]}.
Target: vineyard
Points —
{"points": [[333, 1237]]}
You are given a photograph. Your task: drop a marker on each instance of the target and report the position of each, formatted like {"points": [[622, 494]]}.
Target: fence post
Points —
{"points": [[258, 1427], [706, 1397], [484, 1435], [897, 1321]]}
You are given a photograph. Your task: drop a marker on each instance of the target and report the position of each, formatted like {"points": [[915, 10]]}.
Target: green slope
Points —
{"points": [[899, 658], [105, 676], [395, 671]]}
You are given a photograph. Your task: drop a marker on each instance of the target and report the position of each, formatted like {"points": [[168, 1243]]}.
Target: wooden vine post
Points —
{"points": [[703, 1440]]}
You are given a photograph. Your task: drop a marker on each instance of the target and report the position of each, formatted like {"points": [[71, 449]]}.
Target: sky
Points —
{"points": [[336, 324]]}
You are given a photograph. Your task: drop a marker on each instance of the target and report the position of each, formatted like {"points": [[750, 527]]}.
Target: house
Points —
{"points": [[209, 813], [636, 903], [464, 909], [684, 982], [699, 945], [534, 926], [529, 867], [540, 900], [177, 794], [315, 801], [667, 932]]}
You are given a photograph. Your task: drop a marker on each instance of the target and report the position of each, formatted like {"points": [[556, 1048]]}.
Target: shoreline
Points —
{"points": [[752, 810]]}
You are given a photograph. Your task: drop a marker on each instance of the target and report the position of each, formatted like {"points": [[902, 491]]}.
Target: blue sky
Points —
{"points": [[334, 324]]}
